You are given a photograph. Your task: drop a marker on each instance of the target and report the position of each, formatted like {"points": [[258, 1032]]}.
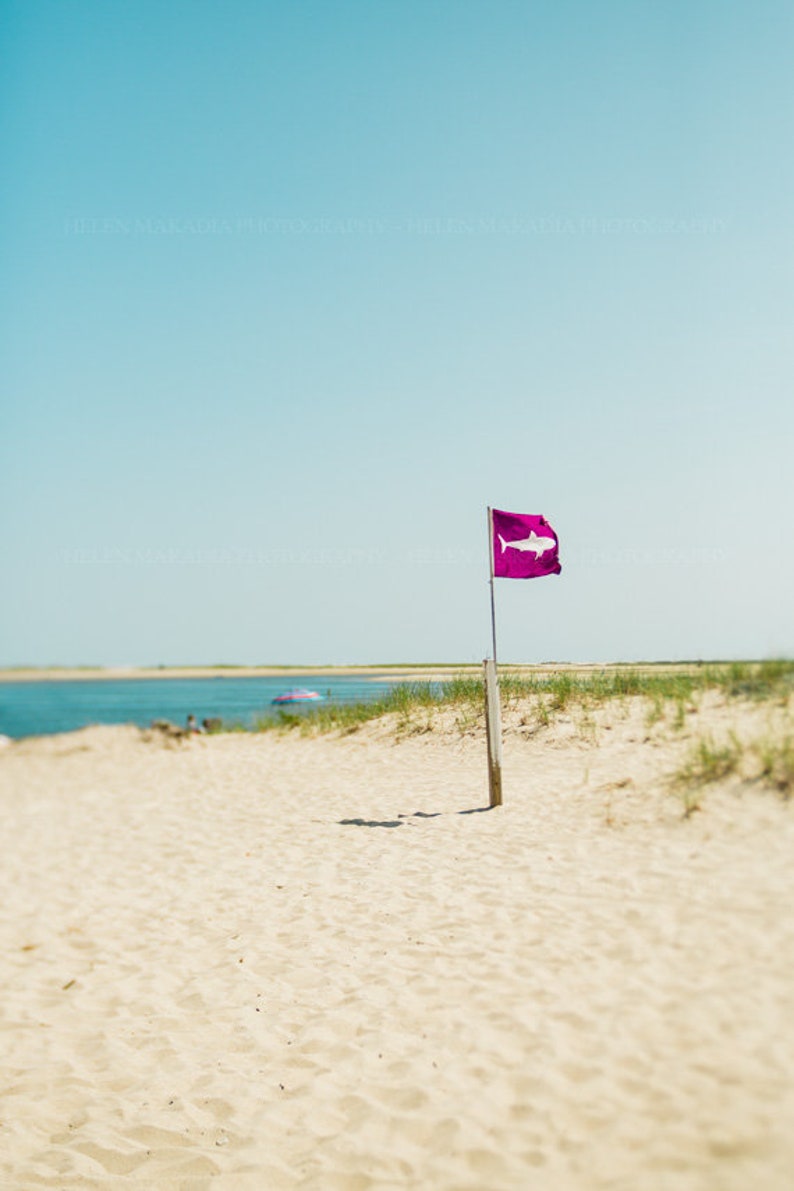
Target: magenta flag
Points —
{"points": [[524, 546]]}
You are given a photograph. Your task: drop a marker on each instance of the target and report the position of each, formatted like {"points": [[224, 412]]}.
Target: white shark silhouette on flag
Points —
{"points": [[524, 546]]}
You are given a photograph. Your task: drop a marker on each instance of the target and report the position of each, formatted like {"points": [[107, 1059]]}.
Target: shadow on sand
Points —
{"points": [[402, 819]]}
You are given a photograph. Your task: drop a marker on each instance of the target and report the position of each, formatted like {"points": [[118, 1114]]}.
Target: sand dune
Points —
{"points": [[277, 962]]}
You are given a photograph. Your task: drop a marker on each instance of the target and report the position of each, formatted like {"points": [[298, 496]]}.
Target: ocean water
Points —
{"points": [[42, 708]]}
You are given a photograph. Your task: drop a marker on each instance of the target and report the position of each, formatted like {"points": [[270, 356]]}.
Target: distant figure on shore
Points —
{"points": [[192, 726]]}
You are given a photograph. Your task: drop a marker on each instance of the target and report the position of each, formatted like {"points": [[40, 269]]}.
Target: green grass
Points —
{"points": [[547, 695], [709, 762], [776, 758], [404, 700], [705, 764]]}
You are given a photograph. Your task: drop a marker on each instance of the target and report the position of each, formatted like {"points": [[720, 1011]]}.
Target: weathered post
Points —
{"points": [[493, 730]]}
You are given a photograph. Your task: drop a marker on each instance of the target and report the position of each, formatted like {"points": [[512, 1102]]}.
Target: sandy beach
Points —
{"points": [[271, 961], [110, 673]]}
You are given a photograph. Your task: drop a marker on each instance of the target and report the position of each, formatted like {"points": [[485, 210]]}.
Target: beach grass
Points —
{"points": [[548, 694], [768, 760], [707, 762], [403, 700], [776, 759]]}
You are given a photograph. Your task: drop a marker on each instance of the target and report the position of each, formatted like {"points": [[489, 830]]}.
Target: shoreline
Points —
{"points": [[407, 671], [108, 673]]}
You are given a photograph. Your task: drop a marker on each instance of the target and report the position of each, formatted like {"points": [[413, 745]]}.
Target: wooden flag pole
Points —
{"points": [[493, 710], [493, 732]]}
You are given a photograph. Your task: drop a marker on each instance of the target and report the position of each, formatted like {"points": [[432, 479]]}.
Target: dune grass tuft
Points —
{"points": [[777, 763], [705, 764], [709, 762]]}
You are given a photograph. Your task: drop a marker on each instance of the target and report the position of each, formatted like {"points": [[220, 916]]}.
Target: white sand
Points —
{"points": [[265, 963]]}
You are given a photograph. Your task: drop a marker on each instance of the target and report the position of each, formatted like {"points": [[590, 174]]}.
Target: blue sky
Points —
{"points": [[294, 291]]}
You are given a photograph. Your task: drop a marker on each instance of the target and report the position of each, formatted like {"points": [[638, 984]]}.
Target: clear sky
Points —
{"points": [[293, 291]]}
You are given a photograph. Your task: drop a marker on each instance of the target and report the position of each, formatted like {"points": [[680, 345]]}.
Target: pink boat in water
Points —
{"points": [[298, 696]]}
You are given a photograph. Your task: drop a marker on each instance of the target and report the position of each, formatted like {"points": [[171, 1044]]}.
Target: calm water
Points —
{"points": [[41, 708]]}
